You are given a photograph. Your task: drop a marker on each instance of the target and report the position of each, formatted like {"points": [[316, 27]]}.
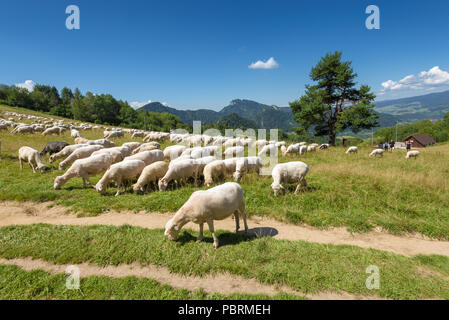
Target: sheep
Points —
{"points": [[113, 134], [324, 146], [22, 129], [119, 173], [283, 150], [150, 174], [137, 135], [75, 133], [412, 154], [173, 152], [101, 142], [214, 171], [289, 172], [3, 126], [148, 146], [52, 130], [81, 140], [376, 152], [311, 148], [302, 150], [230, 164], [80, 153], [179, 172], [246, 165], [202, 162], [83, 168], [268, 150], [53, 147], [292, 149], [116, 155], [131, 145], [33, 158], [352, 149], [234, 151], [147, 156], [203, 206], [66, 152]]}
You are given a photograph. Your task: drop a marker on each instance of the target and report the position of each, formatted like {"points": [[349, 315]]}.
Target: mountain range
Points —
{"points": [[431, 106]]}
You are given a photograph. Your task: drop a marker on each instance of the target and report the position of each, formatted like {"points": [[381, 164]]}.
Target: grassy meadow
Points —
{"points": [[354, 191]]}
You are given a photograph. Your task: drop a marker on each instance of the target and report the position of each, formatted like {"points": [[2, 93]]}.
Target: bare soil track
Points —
{"points": [[24, 213]]}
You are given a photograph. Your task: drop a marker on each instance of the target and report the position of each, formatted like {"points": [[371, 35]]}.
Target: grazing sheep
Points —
{"points": [[52, 130], [246, 165], [3, 126], [289, 172], [75, 133], [352, 149], [376, 152], [137, 135], [412, 154], [311, 148], [131, 145], [180, 172], [83, 168], [66, 152], [22, 129], [203, 206], [150, 174], [120, 172], [101, 142], [234, 151], [80, 153], [81, 140], [283, 150], [230, 164], [173, 152], [153, 145], [33, 158], [214, 171], [324, 146], [147, 156], [302, 150], [202, 162], [53, 147], [113, 134], [116, 155], [268, 150], [292, 149]]}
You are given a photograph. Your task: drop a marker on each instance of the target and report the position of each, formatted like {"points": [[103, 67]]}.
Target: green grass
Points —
{"points": [[306, 267], [354, 191], [18, 284]]}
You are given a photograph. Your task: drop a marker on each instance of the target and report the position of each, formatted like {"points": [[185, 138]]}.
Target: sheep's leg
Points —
{"points": [[237, 221], [21, 164], [84, 183], [119, 184], [210, 223], [243, 212], [32, 167], [200, 236]]}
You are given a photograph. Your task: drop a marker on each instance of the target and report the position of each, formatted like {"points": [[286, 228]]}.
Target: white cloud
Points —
{"points": [[425, 80], [165, 104], [28, 84], [269, 64], [137, 105]]}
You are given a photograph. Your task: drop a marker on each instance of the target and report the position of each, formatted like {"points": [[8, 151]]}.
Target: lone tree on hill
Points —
{"points": [[334, 103]]}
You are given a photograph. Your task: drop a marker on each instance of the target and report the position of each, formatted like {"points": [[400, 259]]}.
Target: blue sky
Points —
{"points": [[196, 54]]}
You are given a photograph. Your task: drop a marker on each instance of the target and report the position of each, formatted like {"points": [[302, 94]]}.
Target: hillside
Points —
{"points": [[431, 106], [263, 115]]}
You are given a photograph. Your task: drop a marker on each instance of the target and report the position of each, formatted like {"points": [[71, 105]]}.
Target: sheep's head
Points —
{"points": [[59, 181], [162, 185], [42, 168], [137, 188], [276, 188], [237, 176], [171, 230]]}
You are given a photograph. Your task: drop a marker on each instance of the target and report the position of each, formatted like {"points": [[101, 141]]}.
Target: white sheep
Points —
{"points": [[205, 206], [234, 151], [311, 148], [75, 133], [120, 172], [412, 154], [202, 162], [292, 149], [302, 150], [83, 168], [376, 152], [147, 156], [132, 145], [268, 150], [150, 174], [153, 145], [68, 150], [173, 152], [179, 173], [352, 149], [80, 153], [214, 171], [81, 140], [52, 130], [116, 155], [33, 158], [289, 172], [246, 165]]}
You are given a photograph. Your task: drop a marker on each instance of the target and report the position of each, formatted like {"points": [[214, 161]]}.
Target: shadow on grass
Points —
{"points": [[225, 239]]}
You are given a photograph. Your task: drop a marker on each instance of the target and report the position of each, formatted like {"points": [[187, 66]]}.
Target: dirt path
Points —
{"points": [[220, 283], [29, 213]]}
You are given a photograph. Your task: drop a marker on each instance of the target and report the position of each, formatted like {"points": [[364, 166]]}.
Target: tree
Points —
{"points": [[334, 103]]}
